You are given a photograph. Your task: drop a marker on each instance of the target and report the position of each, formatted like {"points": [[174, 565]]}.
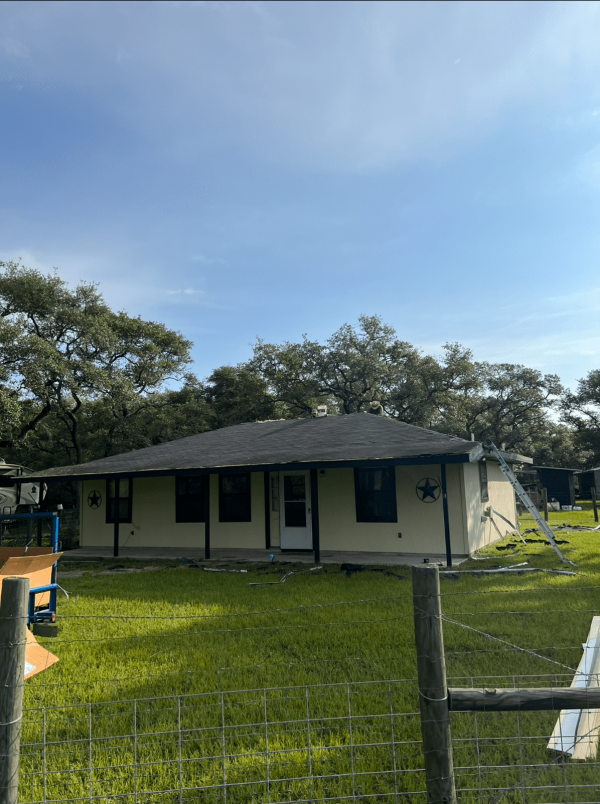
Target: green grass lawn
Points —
{"points": [[181, 631]]}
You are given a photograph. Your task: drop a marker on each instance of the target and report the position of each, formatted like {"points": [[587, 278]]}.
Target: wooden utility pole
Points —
{"points": [[13, 622], [433, 691]]}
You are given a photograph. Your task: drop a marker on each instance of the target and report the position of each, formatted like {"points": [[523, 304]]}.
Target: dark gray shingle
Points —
{"points": [[355, 437]]}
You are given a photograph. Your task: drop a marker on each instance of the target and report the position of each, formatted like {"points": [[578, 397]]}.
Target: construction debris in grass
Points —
{"points": [[220, 569], [119, 569], [518, 568], [273, 583]]}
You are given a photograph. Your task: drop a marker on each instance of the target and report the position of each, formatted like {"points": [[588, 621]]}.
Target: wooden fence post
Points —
{"points": [[433, 691], [13, 622], [545, 503]]}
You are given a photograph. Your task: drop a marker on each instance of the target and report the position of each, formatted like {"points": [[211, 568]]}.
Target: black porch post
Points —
{"points": [[117, 513], [266, 477], [314, 513], [207, 517], [446, 520]]}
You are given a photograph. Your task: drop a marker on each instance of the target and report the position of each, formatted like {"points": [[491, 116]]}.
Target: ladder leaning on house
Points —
{"points": [[491, 448]]}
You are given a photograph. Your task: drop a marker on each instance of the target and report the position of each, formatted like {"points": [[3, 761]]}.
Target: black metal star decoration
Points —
{"points": [[94, 499], [428, 490]]}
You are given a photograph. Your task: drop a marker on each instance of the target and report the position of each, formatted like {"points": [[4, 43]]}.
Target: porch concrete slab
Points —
{"points": [[223, 555]]}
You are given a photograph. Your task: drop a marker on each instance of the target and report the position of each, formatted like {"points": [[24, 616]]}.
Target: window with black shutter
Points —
{"points": [[189, 499], [119, 499], [234, 498], [375, 495]]}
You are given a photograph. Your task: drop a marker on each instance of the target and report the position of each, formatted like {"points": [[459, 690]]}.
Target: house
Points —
{"points": [[558, 482], [343, 483], [587, 481]]}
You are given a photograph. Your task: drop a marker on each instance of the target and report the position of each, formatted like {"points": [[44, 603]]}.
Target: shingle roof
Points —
{"points": [[554, 468], [332, 439]]}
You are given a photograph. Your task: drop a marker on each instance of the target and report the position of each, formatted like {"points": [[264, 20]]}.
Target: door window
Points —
{"points": [[294, 499]]}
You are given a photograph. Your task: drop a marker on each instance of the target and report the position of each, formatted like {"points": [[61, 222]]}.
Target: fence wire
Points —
{"points": [[314, 743], [330, 742]]}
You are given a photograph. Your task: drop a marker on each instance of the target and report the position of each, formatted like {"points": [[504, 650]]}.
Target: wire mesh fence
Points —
{"points": [[20, 532], [320, 741], [505, 756], [337, 742], [313, 743]]}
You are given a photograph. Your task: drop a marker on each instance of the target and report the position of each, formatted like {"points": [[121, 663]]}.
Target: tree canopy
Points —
{"points": [[79, 381], [65, 355], [451, 393], [581, 411], [360, 365]]}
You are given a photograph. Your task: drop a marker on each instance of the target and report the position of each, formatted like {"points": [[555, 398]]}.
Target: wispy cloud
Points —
{"points": [[186, 292], [12, 47], [369, 86], [135, 289]]}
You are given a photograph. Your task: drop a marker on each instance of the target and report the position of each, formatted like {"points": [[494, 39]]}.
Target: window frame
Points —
{"points": [[484, 489], [360, 497], [185, 502], [229, 516], [110, 516]]}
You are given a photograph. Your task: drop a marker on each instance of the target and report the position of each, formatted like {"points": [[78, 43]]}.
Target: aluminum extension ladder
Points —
{"points": [[490, 447]]}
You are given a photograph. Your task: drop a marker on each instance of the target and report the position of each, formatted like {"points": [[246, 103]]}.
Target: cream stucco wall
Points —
{"points": [[421, 524], [153, 518], [239, 534], [501, 498]]}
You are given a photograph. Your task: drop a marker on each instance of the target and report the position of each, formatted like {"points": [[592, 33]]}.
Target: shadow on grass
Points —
{"points": [[182, 639]]}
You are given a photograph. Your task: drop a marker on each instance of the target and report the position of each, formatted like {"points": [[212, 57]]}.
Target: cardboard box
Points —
{"points": [[35, 565], [36, 657]]}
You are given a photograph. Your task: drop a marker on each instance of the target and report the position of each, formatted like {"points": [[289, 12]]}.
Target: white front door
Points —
{"points": [[294, 517]]}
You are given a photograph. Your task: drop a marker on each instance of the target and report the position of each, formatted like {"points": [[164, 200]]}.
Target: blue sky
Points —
{"points": [[245, 169]]}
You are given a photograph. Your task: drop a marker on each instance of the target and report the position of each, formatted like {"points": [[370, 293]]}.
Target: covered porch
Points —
{"points": [[249, 556], [318, 499], [351, 489]]}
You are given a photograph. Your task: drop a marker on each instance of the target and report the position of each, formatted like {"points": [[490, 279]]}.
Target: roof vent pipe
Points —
{"points": [[376, 408]]}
